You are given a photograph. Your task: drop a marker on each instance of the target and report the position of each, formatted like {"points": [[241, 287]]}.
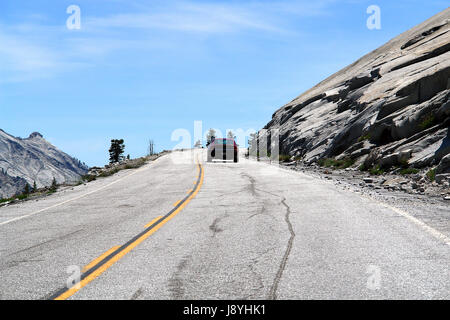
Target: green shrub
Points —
{"points": [[130, 164], [22, 196], [364, 137], [427, 121], [338, 164], [376, 170], [27, 189], [431, 174], [53, 187], [326, 162], [284, 158], [363, 167], [6, 200], [403, 164], [108, 173], [89, 178], [409, 171], [134, 165]]}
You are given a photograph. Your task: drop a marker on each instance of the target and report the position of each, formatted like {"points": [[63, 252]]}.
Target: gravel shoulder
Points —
{"points": [[426, 201]]}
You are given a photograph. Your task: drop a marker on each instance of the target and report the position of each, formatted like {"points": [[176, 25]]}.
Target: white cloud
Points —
{"points": [[23, 58], [34, 50], [205, 18], [215, 17]]}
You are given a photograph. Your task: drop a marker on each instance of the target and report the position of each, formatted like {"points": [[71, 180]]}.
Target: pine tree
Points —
{"points": [[34, 186], [116, 150], [26, 191], [54, 185]]}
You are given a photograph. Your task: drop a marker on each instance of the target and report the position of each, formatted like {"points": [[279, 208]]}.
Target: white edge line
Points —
{"points": [[76, 198], [435, 233], [423, 225]]}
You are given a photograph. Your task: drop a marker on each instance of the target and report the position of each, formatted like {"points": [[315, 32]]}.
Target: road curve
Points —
{"points": [[248, 231]]}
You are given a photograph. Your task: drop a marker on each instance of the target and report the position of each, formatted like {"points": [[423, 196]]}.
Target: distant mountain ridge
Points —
{"points": [[34, 159]]}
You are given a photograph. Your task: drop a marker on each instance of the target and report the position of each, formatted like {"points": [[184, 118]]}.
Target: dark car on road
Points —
{"points": [[223, 149]]}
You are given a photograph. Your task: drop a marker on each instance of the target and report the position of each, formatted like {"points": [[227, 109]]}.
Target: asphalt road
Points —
{"points": [[242, 231]]}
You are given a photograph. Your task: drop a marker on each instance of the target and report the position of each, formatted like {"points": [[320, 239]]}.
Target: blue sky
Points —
{"points": [[141, 69]]}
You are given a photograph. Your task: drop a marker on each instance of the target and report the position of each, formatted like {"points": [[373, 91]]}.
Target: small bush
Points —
{"points": [[22, 196], [327, 162], [130, 164], [409, 171], [134, 165], [284, 158], [338, 164], [6, 200], [427, 122], [431, 174], [89, 178], [376, 170], [364, 137], [108, 173], [403, 164]]}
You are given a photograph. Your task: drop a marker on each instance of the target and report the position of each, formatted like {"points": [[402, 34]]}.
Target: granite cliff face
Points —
{"points": [[391, 106], [34, 159]]}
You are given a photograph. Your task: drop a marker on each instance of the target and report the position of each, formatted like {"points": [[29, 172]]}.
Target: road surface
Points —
{"points": [[178, 229]]}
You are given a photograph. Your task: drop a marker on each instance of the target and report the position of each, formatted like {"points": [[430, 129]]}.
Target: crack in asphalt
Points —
{"points": [[137, 294], [230, 193], [251, 187], [253, 190], [258, 277], [260, 212], [279, 274], [176, 286], [39, 245], [276, 281], [214, 228]]}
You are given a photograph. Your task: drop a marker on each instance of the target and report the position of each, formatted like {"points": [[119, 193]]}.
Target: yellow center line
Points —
{"points": [[100, 258], [152, 222], [67, 294], [176, 203]]}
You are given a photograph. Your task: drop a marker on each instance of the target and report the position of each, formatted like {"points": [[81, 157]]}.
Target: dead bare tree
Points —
{"points": [[150, 147]]}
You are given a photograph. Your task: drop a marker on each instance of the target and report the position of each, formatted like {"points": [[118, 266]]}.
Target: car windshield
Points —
{"points": [[224, 141]]}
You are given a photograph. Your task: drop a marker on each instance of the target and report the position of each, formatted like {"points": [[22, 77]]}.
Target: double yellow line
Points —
{"points": [[106, 260]]}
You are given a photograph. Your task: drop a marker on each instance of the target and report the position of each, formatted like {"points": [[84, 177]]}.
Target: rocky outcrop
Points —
{"points": [[389, 107], [9, 186], [34, 160]]}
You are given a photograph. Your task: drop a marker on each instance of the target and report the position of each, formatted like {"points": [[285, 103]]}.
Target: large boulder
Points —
{"points": [[444, 165], [395, 98]]}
